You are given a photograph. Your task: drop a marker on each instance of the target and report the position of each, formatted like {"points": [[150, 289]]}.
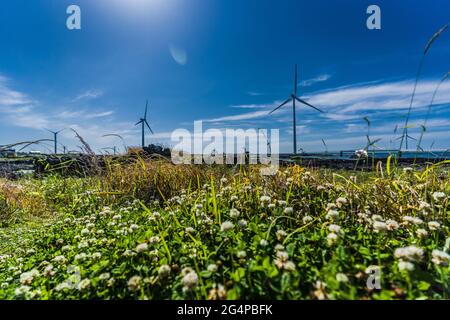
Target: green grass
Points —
{"points": [[158, 231]]}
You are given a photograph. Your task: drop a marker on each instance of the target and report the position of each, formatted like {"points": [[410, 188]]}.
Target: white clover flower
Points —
{"points": [[281, 258], [84, 284], [272, 206], [422, 233], [379, 226], [391, 225], [264, 199], [133, 227], [440, 258], [67, 220], [27, 278], [332, 215], [332, 238], [341, 277], [377, 217], [423, 205], [83, 244], [190, 281], [234, 213], [320, 292], [307, 219], [438, 196], [164, 271], [405, 265], [85, 232], [189, 230], [280, 234], [134, 283], [156, 215], [212, 267], [279, 247], [234, 198], [153, 240], [141, 247], [22, 291], [263, 243], [341, 202], [96, 256], [242, 223], [117, 217], [226, 226], [48, 271], [63, 286], [288, 210], [334, 228], [410, 253], [104, 276], [223, 180], [60, 259], [434, 225], [417, 221], [81, 257]]}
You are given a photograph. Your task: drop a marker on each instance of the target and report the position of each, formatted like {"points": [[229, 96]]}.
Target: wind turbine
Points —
{"points": [[143, 122], [294, 98], [55, 138]]}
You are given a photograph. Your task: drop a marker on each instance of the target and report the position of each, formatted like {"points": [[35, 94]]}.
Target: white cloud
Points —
{"points": [[89, 94], [319, 78]]}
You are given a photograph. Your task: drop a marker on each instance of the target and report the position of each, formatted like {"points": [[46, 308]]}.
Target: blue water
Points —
{"points": [[381, 154]]}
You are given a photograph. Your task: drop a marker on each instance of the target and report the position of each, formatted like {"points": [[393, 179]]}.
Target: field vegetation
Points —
{"points": [[148, 229]]}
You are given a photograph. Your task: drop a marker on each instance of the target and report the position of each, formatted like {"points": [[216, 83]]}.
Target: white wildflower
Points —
{"points": [[190, 281], [234, 213], [226, 226], [410, 253], [440, 258], [332, 238], [405, 265]]}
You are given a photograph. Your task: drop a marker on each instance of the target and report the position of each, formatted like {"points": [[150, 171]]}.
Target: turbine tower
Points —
{"points": [[295, 98], [143, 122], [55, 138]]}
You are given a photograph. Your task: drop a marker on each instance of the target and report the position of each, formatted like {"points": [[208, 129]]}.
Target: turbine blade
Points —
{"points": [[295, 80], [306, 103], [148, 126], [287, 100], [139, 122], [145, 113]]}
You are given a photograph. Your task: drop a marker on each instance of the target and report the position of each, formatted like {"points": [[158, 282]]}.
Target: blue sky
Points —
{"points": [[225, 62]]}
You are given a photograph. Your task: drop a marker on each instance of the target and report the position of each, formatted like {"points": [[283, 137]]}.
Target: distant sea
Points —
{"points": [[377, 154]]}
